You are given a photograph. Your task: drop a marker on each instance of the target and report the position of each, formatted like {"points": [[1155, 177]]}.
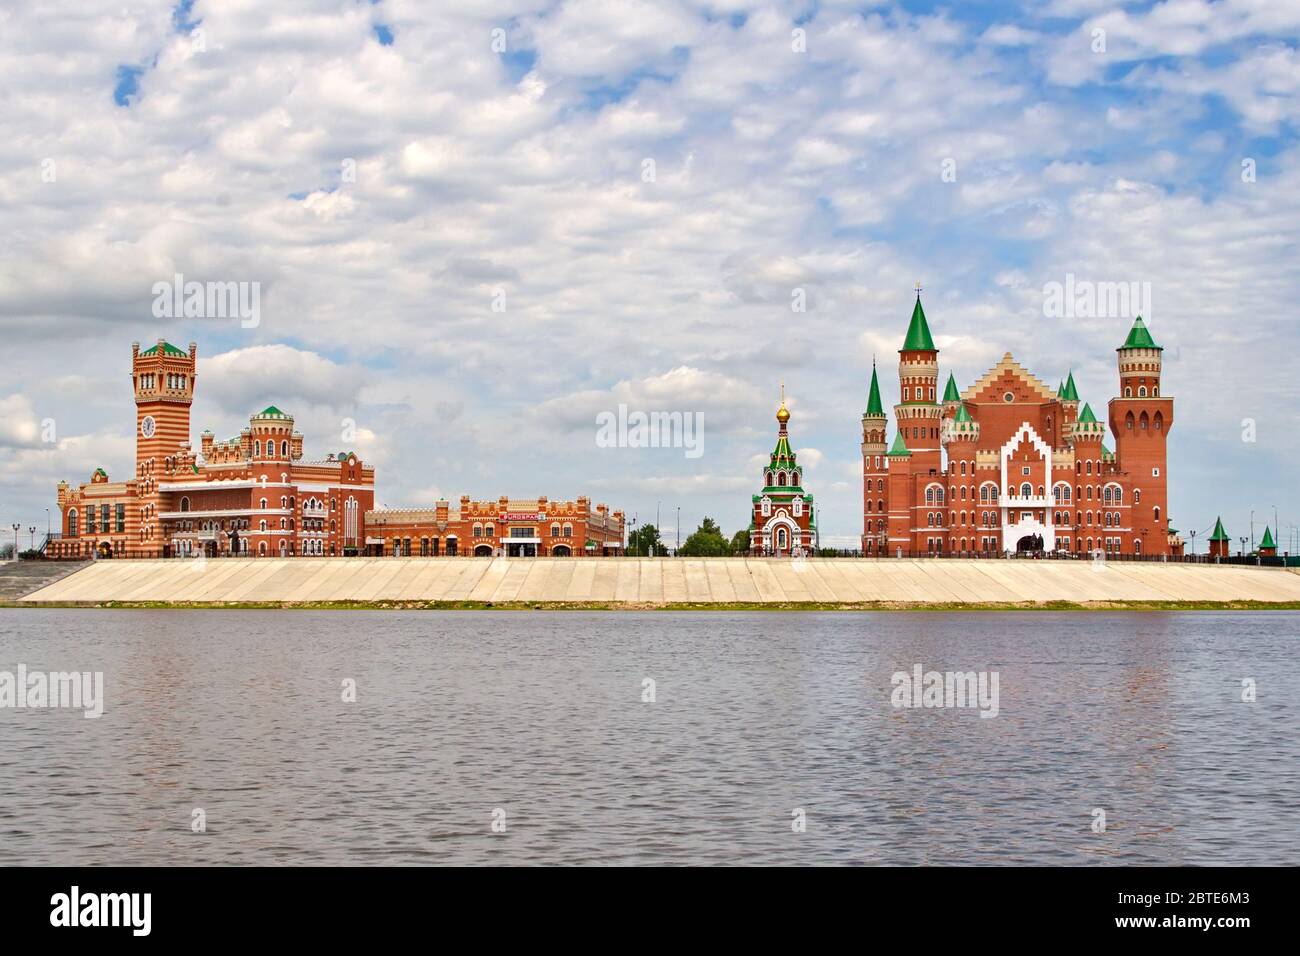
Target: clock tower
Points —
{"points": [[162, 377], [163, 380]]}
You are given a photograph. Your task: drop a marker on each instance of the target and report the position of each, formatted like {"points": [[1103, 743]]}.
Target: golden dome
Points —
{"points": [[783, 413]]}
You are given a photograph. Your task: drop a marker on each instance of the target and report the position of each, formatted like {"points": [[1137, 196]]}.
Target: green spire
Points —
{"points": [[1068, 391], [1139, 337], [918, 332], [1219, 533], [1267, 541], [874, 407], [900, 447], [962, 414], [1060, 389], [1086, 415], [950, 393]]}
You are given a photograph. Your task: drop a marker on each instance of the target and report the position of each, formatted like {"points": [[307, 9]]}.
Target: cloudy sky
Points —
{"points": [[474, 230]]}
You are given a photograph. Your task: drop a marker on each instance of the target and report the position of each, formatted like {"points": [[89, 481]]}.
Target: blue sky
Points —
{"points": [[388, 173]]}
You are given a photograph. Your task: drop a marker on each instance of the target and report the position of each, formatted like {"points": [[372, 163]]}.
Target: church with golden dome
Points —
{"points": [[784, 521]]}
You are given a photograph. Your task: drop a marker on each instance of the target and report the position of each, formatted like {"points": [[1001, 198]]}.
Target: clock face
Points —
{"points": [[147, 426]]}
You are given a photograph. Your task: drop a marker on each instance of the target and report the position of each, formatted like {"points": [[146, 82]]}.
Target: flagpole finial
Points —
{"points": [[918, 288]]}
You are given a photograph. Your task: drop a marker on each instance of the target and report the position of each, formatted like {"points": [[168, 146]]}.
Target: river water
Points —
{"points": [[528, 737]]}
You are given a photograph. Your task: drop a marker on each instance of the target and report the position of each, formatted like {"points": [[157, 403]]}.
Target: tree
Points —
{"points": [[740, 542], [644, 541], [706, 542]]}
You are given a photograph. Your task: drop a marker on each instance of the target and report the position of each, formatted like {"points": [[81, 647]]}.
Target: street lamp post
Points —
{"points": [[17, 528], [679, 530], [1252, 529], [1193, 543], [32, 531]]}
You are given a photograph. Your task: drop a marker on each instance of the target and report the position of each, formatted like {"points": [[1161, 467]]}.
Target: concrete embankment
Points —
{"points": [[665, 582]]}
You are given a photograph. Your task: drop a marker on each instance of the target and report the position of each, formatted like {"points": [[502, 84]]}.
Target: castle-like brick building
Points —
{"points": [[255, 494], [1008, 464]]}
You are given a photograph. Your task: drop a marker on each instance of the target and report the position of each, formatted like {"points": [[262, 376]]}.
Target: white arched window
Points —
{"points": [[765, 507]]}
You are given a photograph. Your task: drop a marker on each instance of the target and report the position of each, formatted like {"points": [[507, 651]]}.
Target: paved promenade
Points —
{"points": [[642, 581]]}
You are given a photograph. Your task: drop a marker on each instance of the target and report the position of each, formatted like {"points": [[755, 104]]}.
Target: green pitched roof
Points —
{"points": [[918, 331], [101, 471], [962, 414], [1069, 393], [167, 347], [271, 412], [1139, 337], [1086, 415], [900, 447], [1219, 533], [1267, 541], [874, 406], [950, 394]]}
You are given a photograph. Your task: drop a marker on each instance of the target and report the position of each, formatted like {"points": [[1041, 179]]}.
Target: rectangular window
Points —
{"points": [[103, 517], [90, 519], [523, 532], [120, 518]]}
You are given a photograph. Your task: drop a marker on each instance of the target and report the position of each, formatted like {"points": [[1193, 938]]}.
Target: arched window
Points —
{"points": [[1142, 392], [1128, 421], [555, 531], [284, 449], [257, 453], [185, 503], [568, 531], [1026, 490], [781, 539], [263, 504], [1156, 512], [769, 479], [929, 495], [780, 479], [478, 530]]}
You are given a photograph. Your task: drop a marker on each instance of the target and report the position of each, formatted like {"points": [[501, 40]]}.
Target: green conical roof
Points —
{"points": [[1060, 389], [1219, 533], [950, 394], [874, 407], [1068, 391], [900, 447], [271, 412], [1139, 337], [1267, 541], [1086, 415], [167, 349], [918, 331], [962, 414]]}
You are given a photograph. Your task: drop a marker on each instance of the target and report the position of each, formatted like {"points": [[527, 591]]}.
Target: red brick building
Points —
{"points": [[1009, 464], [506, 527], [782, 521], [255, 494]]}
